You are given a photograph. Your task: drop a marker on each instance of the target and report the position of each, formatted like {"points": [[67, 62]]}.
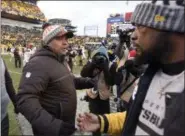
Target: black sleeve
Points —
{"points": [[174, 118], [87, 70], [34, 80], [83, 83], [9, 87]]}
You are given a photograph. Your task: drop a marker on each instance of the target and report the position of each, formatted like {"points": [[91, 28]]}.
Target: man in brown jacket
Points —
{"points": [[47, 90]]}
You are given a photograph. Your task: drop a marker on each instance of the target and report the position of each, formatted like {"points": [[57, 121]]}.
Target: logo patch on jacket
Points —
{"points": [[28, 74]]}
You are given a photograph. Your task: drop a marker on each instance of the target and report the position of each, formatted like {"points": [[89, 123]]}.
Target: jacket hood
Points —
{"points": [[101, 50]]}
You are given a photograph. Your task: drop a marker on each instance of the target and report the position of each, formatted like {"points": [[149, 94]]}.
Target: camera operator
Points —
{"points": [[97, 68], [124, 72]]}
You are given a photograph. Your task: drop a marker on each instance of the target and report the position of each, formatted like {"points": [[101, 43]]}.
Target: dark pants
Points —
{"points": [[89, 55], [98, 106], [18, 62], [80, 60], [5, 126]]}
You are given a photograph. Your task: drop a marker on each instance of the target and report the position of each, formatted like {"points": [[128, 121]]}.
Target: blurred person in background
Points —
{"points": [[89, 50], [27, 55], [12, 53], [83, 53], [69, 56], [17, 58], [80, 55]]}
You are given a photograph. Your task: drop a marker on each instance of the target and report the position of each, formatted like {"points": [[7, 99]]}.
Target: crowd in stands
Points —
{"points": [[11, 36], [25, 9], [14, 35], [81, 40]]}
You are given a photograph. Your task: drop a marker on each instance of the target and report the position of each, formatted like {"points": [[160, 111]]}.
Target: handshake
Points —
{"points": [[88, 122]]}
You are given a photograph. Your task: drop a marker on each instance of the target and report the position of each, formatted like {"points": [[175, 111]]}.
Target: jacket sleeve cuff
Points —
{"points": [[104, 124]]}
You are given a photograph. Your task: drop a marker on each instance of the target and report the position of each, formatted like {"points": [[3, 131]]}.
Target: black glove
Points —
{"points": [[87, 70], [91, 82], [67, 129], [136, 71], [119, 75]]}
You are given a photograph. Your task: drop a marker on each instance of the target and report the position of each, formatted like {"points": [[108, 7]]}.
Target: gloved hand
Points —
{"points": [[92, 82], [87, 70], [67, 129], [133, 69], [136, 71], [119, 75]]}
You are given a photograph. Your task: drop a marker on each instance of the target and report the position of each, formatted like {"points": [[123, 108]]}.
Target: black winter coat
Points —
{"points": [[47, 93]]}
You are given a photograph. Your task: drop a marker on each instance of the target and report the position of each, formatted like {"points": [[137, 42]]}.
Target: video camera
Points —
{"points": [[124, 31], [100, 58], [124, 35]]}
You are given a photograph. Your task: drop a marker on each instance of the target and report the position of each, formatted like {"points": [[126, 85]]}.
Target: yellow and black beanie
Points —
{"points": [[166, 15]]}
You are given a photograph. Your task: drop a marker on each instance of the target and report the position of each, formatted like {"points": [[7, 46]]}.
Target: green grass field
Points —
{"points": [[14, 127], [16, 74]]}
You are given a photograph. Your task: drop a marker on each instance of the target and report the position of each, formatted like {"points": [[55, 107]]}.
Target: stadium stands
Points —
{"points": [[24, 9]]}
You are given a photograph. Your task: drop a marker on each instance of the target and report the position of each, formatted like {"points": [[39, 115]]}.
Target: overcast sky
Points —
{"points": [[86, 13]]}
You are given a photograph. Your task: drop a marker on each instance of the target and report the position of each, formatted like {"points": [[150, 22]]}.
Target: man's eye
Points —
{"points": [[139, 26]]}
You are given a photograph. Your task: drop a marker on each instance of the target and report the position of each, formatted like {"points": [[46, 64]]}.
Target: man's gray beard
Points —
{"points": [[63, 53]]}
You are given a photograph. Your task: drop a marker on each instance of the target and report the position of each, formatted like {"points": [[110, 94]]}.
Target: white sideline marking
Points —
{"points": [[14, 72]]}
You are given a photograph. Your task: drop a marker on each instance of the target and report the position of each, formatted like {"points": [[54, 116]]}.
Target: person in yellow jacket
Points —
{"points": [[107, 123], [157, 103]]}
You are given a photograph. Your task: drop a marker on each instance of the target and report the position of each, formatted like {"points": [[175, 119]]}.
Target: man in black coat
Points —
{"points": [[47, 90]]}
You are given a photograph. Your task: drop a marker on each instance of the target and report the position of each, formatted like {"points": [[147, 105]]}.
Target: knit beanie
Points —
{"points": [[51, 31], [162, 15]]}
